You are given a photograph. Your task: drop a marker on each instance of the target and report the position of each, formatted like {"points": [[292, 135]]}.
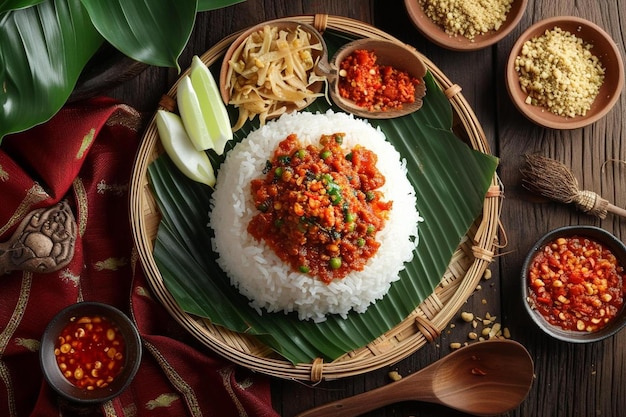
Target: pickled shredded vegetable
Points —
{"points": [[270, 70]]}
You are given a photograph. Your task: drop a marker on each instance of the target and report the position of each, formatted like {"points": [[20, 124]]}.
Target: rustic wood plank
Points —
{"points": [[571, 380]]}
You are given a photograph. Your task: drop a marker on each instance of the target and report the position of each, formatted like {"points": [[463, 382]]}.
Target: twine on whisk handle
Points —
{"points": [[553, 180]]}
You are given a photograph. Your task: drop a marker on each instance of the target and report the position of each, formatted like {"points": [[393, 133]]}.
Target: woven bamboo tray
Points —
{"points": [[423, 325]]}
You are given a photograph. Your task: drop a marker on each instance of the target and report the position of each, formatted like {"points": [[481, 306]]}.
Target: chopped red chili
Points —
{"points": [[577, 283], [372, 86], [90, 352], [319, 207]]}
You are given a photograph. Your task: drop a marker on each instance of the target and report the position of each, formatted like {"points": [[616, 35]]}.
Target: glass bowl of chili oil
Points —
{"points": [[90, 352]]}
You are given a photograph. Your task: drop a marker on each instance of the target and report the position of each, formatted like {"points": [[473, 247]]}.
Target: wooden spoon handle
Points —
{"points": [[416, 387]]}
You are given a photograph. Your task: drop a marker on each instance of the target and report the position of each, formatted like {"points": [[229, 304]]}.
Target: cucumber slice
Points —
{"points": [[213, 108], [192, 115], [191, 162]]}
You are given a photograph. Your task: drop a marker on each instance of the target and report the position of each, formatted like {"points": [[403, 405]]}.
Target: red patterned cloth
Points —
{"points": [[85, 155]]}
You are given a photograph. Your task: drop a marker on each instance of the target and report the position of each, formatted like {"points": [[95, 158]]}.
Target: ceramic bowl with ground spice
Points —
{"points": [[468, 25], [564, 73], [574, 284]]}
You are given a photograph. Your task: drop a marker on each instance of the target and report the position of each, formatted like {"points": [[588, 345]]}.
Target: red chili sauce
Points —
{"points": [[320, 208], [90, 352], [577, 284], [374, 87]]}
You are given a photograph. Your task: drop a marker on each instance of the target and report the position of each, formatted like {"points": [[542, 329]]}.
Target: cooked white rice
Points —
{"points": [[252, 265]]}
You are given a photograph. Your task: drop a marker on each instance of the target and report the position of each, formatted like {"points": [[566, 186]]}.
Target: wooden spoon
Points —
{"points": [[484, 378], [399, 56]]}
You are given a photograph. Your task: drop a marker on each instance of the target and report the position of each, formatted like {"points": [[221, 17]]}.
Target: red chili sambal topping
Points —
{"points": [[90, 352], [320, 208], [577, 283], [372, 86]]}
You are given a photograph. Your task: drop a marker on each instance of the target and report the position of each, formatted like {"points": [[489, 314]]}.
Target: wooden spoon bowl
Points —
{"points": [[396, 55], [484, 378]]}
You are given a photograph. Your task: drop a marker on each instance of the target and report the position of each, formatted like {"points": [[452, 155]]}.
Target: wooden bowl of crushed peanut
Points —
{"points": [[465, 25], [564, 73]]}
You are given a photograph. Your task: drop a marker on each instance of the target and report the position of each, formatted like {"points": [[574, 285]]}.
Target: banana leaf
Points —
{"points": [[45, 45], [450, 180]]}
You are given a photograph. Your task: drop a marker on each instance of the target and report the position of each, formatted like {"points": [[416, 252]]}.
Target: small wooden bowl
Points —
{"points": [[389, 53], [597, 234], [321, 56], [603, 47], [436, 34], [50, 368]]}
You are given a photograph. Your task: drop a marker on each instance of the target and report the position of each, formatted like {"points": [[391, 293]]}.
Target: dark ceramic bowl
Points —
{"points": [[132, 354], [594, 233]]}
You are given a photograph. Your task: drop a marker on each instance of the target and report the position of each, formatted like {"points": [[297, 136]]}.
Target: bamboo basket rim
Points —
{"points": [[423, 325]]}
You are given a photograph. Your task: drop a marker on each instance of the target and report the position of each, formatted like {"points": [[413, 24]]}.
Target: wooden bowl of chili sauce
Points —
{"points": [[574, 284], [378, 79], [90, 352]]}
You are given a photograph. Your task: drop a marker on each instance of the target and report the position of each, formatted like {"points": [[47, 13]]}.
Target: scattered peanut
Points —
{"points": [[467, 317], [394, 375], [489, 327], [507, 333], [495, 330]]}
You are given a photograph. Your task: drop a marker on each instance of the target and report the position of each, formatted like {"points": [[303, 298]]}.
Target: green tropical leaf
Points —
{"points": [[153, 32], [205, 5], [43, 50], [7, 5], [45, 44], [450, 180]]}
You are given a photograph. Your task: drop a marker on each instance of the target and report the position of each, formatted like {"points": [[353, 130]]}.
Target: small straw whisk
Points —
{"points": [[553, 180]]}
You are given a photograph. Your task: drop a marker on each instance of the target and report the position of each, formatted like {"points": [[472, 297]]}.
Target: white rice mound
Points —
{"points": [[259, 273]]}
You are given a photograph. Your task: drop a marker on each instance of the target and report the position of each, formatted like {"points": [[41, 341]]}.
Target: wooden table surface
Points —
{"points": [[571, 380]]}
